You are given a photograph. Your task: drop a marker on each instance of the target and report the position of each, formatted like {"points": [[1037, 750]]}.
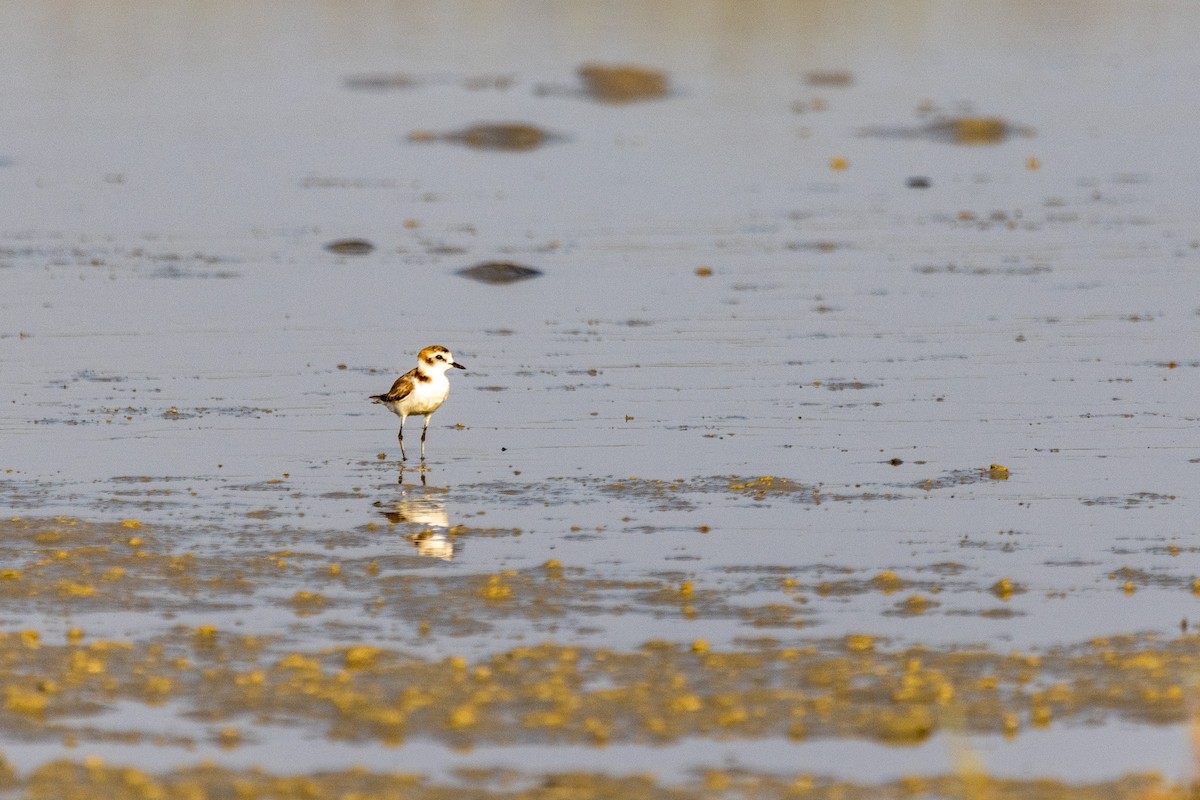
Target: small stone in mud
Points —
{"points": [[623, 84], [350, 247], [499, 273], [918, 182]]}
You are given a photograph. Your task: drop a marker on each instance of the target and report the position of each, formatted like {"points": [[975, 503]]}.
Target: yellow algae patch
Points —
{"points": [[839, 163], [997, 472], [765, 482], [296, 661], [10, 575], [1003, 588], [24, 701], [130, 523], [908, 726], [597, 730], [255, 678], [887, 582], [860, 643], [687, 703], [361, 657], [716, 781], [462, 717], [976, 130], [760, 488], [31, 639], [93, 779], [916, 604], [495, 589], [72, 589], [305, 603], [1146, 661], [81, 662]]}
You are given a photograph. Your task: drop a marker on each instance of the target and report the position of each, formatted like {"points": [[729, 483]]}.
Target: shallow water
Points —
{"points": [[755, 393]]}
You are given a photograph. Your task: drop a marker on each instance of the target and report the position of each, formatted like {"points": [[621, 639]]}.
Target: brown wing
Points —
{"points": [[401, 389]]}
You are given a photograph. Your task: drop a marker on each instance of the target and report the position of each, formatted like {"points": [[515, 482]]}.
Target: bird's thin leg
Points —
{"points": [[423, 429], [400, 436]]}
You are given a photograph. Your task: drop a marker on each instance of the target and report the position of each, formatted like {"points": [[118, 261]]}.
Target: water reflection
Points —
{"points": [[433, 544], [422, 507]]}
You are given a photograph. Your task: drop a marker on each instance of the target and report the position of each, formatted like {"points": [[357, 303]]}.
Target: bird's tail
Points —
{"points": [[376, 398]]}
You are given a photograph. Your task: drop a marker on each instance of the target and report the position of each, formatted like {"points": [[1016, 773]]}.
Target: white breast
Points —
{"points": [[426, 397]]}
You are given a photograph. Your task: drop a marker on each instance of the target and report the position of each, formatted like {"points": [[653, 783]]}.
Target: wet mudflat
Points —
{"points": [[829, 426]]}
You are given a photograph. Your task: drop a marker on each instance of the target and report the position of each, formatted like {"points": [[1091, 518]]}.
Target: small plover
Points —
{"points": [[420, 391]]}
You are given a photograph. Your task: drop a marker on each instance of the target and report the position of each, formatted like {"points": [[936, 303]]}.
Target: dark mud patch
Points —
{"points": [[955, 269], [970, 131], [843, 386], [1135, 500], [500, 273], [829, 79], [820, 246], [381, 82], [336, 182], [403, 81], [964, 477], [191, 272], [92, 376], [350, 247], [499, 137], [622, 84]]}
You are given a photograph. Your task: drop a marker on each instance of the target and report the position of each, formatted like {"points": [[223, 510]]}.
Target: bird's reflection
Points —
{"points": [[422, 508], [420, 470], [433, 544]]}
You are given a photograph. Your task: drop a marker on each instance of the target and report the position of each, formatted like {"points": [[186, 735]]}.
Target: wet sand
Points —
{"points": [[828, 429]]}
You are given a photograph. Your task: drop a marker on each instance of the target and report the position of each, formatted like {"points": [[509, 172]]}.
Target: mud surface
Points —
{"points": [[842, 445]]}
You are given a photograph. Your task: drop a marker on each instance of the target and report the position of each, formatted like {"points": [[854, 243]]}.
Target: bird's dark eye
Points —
{"points": [[439, 358]]}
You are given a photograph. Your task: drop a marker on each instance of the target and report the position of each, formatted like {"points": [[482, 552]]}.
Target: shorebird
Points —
{"points": [[420, 391]]}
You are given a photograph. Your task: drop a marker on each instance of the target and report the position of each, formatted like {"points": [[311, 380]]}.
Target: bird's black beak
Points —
{"points": [[457, 365]]}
